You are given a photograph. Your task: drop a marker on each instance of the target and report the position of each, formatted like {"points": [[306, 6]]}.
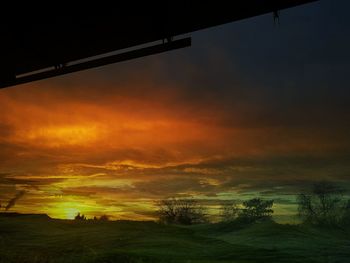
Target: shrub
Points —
{"points": [[180, 211]]}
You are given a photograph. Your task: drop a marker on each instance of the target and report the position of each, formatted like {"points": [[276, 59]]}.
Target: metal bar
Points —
{"points": [[142, 52]]}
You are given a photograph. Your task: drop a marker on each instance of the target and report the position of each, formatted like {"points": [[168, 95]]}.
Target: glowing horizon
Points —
{"points": [[239, 116]]}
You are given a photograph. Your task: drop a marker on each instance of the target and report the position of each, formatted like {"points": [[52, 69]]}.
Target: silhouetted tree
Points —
{"points": [[256, 209], [180, 211], [229, 211], [80, 217], [324, 205]]}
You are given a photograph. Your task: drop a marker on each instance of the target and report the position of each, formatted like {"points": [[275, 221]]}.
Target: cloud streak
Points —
{"points": [[228, 118]]}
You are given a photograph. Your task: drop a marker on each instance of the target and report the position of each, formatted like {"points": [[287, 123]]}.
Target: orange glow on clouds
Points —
{"points": [[118, 154], [56, 136]]}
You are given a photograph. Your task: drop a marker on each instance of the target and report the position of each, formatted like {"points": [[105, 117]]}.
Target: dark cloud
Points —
{"points": [[250, 109]]}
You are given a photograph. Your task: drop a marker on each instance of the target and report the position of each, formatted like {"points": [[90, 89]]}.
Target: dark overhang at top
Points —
{"points": [[40, 45]]}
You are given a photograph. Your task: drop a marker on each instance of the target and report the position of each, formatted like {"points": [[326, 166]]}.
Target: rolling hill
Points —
{"points": [[38, 238]]}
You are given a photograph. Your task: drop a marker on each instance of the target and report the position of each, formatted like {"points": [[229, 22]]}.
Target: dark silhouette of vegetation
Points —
{"points": [[324, 205], [180, 211], [256, 209], [249, 211], [103, 218], [229, 211], [80, 217]]}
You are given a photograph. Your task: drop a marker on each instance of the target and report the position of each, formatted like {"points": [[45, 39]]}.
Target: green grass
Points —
{"points": [[38, 239]]}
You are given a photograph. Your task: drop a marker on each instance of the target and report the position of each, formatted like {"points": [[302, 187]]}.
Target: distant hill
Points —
{"points": [[33, 238], [19, 215]]}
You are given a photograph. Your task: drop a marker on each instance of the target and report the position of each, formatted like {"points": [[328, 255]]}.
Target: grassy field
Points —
{"points": [[37, 238]]}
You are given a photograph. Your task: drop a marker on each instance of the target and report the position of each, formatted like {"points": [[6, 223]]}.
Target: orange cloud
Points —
{"points": [[117, 148]]}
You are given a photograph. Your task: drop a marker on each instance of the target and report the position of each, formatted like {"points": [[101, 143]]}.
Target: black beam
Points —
{"points": [[142, 52]]}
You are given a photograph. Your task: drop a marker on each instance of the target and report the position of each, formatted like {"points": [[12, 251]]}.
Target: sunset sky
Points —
{"points": [[251, 109]]}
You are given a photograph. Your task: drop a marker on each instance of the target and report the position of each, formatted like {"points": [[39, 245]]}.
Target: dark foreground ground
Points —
{"points": [[39, 239]]}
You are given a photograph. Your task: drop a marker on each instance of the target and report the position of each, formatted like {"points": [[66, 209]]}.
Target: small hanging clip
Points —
{"points": [[276, 17]]}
